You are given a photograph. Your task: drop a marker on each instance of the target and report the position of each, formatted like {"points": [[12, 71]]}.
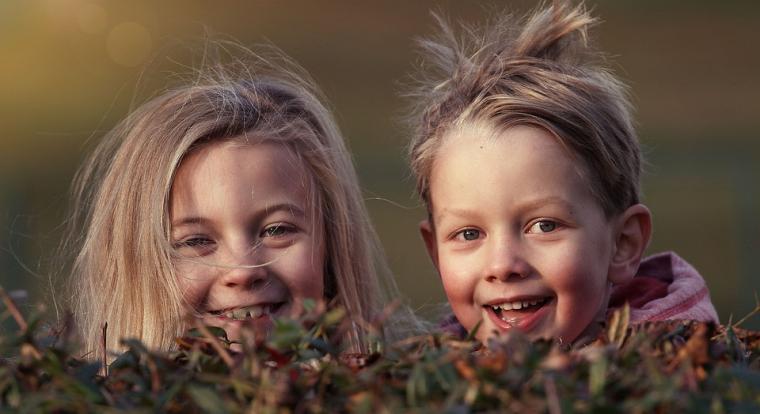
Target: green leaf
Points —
{"points": [[597, 376], [206, 399]]}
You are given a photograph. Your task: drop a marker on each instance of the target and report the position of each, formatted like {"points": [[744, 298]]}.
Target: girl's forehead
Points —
{"points": [[243, 152], [253, 170]]}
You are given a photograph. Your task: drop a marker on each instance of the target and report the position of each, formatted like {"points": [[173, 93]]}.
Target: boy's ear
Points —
{"points": [[428, 236], [634, 230]]}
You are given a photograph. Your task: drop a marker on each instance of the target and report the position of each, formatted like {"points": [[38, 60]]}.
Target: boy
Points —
{"points": [[527, 160]]}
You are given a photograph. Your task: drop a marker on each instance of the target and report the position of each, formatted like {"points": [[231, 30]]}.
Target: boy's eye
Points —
{"points": [[469, 234], [543, 226]]}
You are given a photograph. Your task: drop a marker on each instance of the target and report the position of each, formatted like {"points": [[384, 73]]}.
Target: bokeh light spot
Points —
{"points": [[92, 18], [129, 44]]}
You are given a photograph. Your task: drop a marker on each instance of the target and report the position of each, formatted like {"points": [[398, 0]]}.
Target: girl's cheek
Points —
{"points": [[193, 283]]}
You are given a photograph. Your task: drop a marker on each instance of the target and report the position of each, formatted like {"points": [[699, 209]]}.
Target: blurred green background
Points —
{"points": [[70, 69]]}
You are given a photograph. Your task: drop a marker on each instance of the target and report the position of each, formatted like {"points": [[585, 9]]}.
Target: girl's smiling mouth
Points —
{"points": [[248, 312], [522, 313]]}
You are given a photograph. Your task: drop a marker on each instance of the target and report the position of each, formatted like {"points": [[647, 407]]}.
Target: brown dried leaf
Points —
{"points": [[465, 370]]}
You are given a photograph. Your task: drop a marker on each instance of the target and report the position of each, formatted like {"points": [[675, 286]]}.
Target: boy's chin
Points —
{"points": [[585, 337]]}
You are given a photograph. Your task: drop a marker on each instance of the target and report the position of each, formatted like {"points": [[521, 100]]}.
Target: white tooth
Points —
{"points": [[525, 304], [229, 314], [239, 313], [517, 305], [256, 311], [533, 303], [506, 306]]}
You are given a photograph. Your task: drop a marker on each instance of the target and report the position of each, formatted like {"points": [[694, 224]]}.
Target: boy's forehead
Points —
{"points": [[483, 133], [522, 164], [482, 142]]}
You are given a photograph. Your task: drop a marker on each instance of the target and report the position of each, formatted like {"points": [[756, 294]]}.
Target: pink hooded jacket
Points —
{"points": [[666, 287]]}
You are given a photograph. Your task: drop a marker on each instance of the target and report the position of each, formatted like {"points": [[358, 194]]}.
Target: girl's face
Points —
{"points": [[518, 239], [249, 246]]}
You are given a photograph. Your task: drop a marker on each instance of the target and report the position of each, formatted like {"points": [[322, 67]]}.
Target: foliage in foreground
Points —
{"points": [[658, 367]]}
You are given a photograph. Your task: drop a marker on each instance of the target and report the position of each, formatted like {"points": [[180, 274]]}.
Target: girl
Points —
{"points": [[527, 160], [233, 199]]}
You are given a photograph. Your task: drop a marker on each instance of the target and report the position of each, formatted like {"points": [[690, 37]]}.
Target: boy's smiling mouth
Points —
{"points": [[523, 313]]}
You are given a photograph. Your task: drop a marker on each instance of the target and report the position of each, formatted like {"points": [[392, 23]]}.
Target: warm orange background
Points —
{"points": [[69, 69]]}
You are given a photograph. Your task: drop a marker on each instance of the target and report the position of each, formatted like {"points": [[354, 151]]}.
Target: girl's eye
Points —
{"points": [[195, 246], [277, 230], [469, 234], [543, 226], [194, 242]]}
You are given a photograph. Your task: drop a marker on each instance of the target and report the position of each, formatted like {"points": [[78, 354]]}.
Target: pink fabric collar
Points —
{"points": [[672, 289]]}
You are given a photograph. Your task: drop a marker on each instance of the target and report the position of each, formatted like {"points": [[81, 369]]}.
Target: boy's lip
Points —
{"points": [[522, 320], [519, 298]]}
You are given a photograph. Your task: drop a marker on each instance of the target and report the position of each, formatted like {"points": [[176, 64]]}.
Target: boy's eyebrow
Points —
{"points": [[461, 212], [526, 206], [542, 201]]}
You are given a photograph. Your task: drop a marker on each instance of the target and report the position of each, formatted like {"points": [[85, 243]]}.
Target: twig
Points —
{"points": [[155, 378], [214, 341], [732, 325], [752, 313], [61, 333], [552, 400], [103, 333], [13, 309]]}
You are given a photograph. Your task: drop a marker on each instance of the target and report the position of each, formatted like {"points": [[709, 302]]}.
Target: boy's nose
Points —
{"points": [[505, 262]]}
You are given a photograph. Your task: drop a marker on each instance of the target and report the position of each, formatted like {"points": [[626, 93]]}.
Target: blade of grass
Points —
{"points": [[13, 309]]}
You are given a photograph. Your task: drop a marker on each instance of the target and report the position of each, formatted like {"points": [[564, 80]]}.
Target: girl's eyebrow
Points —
{"points": [[186, 221], [292, 209]]}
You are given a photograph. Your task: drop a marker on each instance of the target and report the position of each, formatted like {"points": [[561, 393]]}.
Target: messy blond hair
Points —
{"points": [[123, 272], [538, 71]]}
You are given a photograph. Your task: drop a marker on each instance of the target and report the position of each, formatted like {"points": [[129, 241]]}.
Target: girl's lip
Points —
{"points": [[260, 310], [525, 322]]}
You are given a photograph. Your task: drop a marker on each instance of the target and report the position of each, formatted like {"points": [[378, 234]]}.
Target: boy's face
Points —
{"points": [[249, 247], [517, 237]]}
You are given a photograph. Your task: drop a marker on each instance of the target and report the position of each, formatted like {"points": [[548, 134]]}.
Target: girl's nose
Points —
{"points": [[505, 261], [245, 271]]}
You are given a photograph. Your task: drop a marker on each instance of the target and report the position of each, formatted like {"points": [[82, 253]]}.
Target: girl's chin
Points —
{"points": [[259, 326]]}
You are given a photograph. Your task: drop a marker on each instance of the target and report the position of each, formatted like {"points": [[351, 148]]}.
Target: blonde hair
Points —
{"points": [[539, 71], [123, 272]]}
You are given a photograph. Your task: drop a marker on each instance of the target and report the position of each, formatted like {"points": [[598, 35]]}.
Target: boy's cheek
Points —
{"points": [[459, 289]]}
